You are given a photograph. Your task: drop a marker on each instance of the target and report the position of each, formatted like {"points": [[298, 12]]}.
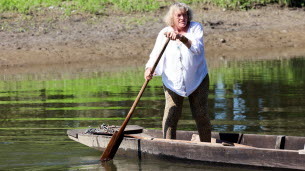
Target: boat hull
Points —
{"points": [[149, 143]]}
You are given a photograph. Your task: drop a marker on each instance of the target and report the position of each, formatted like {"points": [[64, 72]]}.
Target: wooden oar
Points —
{"points": [[117, 137]]}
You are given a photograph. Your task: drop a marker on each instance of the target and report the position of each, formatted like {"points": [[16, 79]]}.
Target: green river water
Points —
{"points": [[263, 97]]}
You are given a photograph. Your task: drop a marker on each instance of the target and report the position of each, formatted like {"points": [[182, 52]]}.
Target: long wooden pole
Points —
{"points": [[117, 137]]}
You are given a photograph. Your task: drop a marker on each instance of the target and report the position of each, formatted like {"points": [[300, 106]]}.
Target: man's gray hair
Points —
{"points": [[168, 19]]}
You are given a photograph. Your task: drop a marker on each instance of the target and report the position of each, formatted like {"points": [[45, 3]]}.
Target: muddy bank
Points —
{"points": [[49, 42]]}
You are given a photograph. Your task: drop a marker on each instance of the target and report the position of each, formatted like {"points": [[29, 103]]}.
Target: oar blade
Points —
{"points": [[112, 147]]}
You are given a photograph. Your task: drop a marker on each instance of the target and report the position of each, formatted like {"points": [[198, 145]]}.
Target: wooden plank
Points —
{"points": [[302, 151], [74, 132], [294, 143], [195, 138], [280, 142], [259, 141], [217, 153]]}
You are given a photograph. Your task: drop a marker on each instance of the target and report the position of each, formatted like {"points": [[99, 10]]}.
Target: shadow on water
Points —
{"points": [[263, 96]]}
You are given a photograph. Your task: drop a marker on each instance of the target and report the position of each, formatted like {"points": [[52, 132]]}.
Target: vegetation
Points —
{"points": [[100, 6], [248, 4], [91, 6]]}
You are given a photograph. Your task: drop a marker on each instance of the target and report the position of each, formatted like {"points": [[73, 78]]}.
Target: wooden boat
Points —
{"points": [[269, 151]]}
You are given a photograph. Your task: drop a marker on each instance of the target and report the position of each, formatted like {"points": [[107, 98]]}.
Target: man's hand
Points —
{"points": [[147, 75]]}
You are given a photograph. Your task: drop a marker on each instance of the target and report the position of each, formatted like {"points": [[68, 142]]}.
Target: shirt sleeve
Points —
{"points": [[196, 36], [155, 53]]}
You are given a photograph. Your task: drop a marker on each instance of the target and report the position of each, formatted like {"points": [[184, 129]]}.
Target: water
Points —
{"points": [[264, 97]]}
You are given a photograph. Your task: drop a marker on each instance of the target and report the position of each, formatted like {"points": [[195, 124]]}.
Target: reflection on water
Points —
{"points": [[124, 163], [265, 97], [259, 97]]}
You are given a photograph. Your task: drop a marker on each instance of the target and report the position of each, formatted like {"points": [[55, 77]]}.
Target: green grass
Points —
{"points": [[81, 119], [248, 4], [136, 5], [26, 6], [101, 6], [69, 6]]}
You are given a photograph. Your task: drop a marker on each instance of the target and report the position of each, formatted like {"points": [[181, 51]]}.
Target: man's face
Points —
{"points": [[180, 19]]}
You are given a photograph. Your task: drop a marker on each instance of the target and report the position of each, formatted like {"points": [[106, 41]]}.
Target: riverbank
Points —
{"points": [[51, 42]]}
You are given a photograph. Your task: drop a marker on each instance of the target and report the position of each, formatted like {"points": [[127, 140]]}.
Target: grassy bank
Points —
{"points": [[100, 6], [248, 4], [91, 6]]}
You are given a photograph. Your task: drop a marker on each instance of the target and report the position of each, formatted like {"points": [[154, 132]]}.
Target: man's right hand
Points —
{"points": [[147, 75]]}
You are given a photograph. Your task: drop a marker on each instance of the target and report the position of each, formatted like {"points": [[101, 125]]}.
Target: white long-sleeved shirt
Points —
{"points": [[182, 69]]}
